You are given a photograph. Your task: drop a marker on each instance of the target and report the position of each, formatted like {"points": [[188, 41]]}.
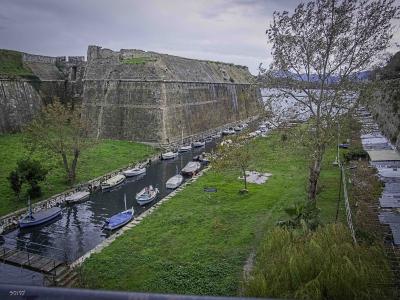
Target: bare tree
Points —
{"points": [[317, 51], [60, 130], [233, 155]]}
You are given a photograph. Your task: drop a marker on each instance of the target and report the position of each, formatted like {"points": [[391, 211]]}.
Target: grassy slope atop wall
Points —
{"points": [[11, 64]]}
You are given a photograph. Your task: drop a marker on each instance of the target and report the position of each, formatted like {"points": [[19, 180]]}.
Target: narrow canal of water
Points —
{"points": [[79, 229]]}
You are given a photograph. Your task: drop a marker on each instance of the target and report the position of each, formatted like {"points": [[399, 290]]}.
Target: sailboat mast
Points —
{"points": [[29, 207], [125, 200]]}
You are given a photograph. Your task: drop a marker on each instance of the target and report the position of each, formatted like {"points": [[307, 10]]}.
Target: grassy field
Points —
{"points": [[197, 243], [11, 64], [105, 156]]}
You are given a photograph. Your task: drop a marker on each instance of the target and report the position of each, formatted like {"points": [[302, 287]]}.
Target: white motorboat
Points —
{"points": [[199, 144], [238, 128], [134, 172], [169, 155], [112, 182], [191, 168], [208, 140], [228, 131], [174, 181], [185, 148], [77, 197], [146, 195], [216, 136]]}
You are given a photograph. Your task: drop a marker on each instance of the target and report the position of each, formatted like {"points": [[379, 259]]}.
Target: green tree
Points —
{"points": [[30, 172], [15, 181], [61, 130], [317, 52]]}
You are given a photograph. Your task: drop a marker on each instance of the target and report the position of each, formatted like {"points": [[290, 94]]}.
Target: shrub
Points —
{"points": [[30, 172], [355, 154], [321, 264]]}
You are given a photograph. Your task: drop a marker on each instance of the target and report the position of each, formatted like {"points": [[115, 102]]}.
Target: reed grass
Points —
{"points": [[324, 264]]}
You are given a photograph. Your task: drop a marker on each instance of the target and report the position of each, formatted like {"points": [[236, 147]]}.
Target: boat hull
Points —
{"points": [[78, 197], [134, 172], [119, 220], [174, 182], [106, 187], [40, 217], [167, 156], [142, 199]]}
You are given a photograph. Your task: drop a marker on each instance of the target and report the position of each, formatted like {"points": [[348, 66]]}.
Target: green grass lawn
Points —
{"points": [[197, 243], [105, 156]]}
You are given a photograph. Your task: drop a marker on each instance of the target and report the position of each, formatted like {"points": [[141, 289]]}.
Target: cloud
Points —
{"points": [[223, 30]]}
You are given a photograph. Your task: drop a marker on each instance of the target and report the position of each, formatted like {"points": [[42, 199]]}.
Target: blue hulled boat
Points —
{"points": [[120, 219], [40, 217]]}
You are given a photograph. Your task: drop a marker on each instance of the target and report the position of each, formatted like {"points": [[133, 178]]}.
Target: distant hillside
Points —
{"points": [[11, 64]]}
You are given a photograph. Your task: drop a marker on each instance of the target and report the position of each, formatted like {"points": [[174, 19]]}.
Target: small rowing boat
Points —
{"points": [[77, 197], [146, 195], [112, 182], [134, 172]]}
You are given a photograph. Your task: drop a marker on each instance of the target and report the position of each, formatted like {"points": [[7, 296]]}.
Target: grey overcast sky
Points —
{"points": [[223, 30]]}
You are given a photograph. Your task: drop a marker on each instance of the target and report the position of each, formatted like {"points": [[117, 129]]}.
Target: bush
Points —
{"points": [[323, 264], [355, 154], [30, 172]]}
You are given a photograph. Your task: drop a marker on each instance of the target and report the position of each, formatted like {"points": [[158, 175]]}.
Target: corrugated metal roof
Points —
{"points": [[379, 155]]}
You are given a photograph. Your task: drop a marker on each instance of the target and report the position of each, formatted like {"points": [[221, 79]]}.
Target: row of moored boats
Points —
{"points": [[145, 196]]}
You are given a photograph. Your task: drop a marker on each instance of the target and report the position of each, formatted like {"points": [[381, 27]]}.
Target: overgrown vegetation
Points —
{"points": [[324, 264], [138, 60], [11, 64], [105, 156]]}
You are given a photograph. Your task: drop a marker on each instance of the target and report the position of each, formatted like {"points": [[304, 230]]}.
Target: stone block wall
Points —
{"points": [[19, 103], [385, 107]]}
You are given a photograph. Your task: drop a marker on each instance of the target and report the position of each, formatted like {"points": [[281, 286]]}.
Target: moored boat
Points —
{"points": [[77, 197], [146, 195], [40, 217], [185, 148], [191, 168], [120, 219], [199, 144], [174, 181], [216, 135], [134, 172], [169, 155], [113, 181], [228, 131]]}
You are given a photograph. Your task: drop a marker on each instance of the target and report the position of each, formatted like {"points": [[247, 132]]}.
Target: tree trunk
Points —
{"points": [[315, 170], [245, 179], [65, 163], [72, 171]]}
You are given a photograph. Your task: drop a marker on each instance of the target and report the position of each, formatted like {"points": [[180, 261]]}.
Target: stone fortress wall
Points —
{"points": [[158, 98], [133, 94], [385, 107]]}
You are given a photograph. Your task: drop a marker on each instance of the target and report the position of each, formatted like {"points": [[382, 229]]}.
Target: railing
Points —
{"points": [[347, 204], [32, 292], [35, 248]]}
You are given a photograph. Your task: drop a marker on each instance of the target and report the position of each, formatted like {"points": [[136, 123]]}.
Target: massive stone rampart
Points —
{"points": [[19, 102], [152, 97], [22, 97]]}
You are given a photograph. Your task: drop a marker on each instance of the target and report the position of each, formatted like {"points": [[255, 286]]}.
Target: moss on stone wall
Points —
{"points": [[11, 64]]}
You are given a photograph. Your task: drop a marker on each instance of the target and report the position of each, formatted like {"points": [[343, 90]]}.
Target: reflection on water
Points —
{"points": [[79, 229]]}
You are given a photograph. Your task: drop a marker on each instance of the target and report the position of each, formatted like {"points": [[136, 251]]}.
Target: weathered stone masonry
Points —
{"points": [[157, 98], [133, 94]]}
